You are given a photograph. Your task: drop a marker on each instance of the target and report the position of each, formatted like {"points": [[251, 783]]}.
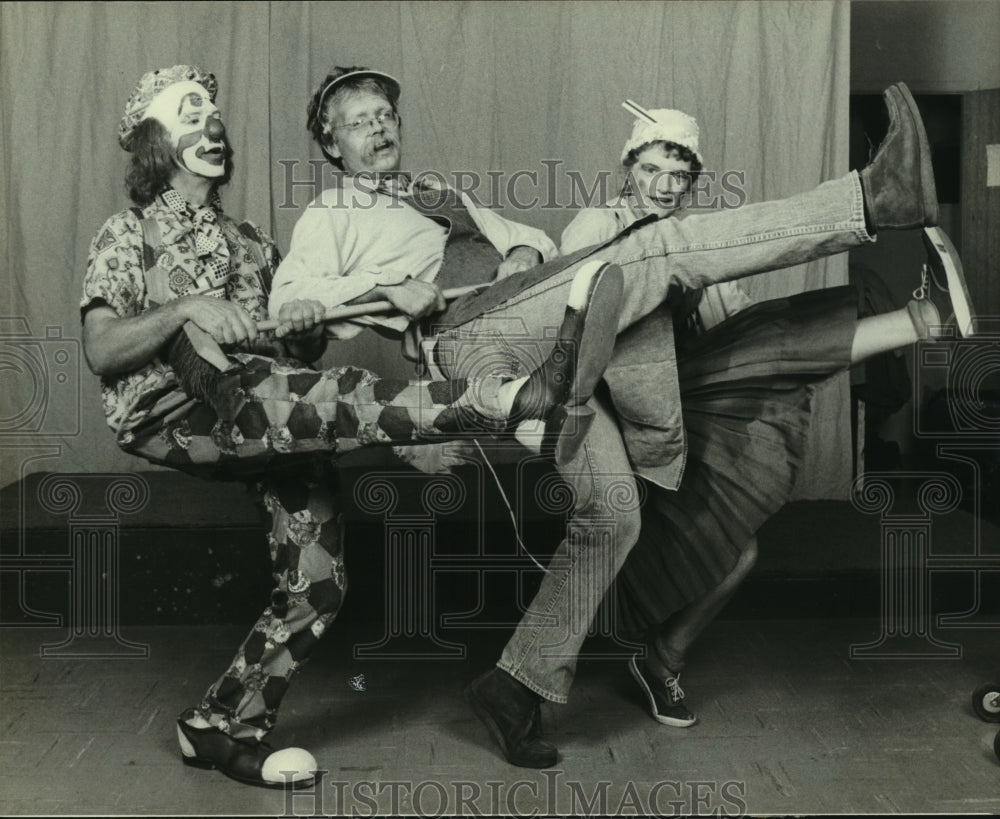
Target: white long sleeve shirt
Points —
{"points": [[352, 239]]}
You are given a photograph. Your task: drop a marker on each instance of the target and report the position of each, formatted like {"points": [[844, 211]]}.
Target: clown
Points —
{"points": [[194, 125]]}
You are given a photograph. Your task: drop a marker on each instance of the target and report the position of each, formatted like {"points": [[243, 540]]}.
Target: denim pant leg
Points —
{"points": [[704, 249], [694, 252], [604, 525]]}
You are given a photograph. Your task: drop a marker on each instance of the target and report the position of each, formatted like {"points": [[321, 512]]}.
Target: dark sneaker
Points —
{"points": [[941, 307], [665, 697]]}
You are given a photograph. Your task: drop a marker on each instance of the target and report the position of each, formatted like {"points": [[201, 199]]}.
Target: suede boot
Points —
{"points": [[898, 184]]}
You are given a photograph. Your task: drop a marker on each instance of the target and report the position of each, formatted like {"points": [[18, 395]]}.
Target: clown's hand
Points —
{"points": [[225, 321]]}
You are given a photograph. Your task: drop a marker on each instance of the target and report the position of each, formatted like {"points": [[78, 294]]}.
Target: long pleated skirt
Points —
{"points": [[746, 388]]}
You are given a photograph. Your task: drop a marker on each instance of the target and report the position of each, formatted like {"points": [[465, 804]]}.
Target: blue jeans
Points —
{"points": [[656, 259]]}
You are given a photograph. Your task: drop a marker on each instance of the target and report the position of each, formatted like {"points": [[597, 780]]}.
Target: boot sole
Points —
{"points": [[944, 260], [600, 328], [209, 765], [927, 187], [567, 426], [565, 431]]}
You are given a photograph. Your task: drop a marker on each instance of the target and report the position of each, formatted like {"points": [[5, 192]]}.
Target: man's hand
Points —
{"points": [[226, 322], [300, 317], [519, 259], [414, 298]]}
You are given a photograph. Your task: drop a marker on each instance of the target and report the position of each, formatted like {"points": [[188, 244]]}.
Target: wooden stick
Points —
{"points": [[208, 349], [372, 308], [638, 110]]}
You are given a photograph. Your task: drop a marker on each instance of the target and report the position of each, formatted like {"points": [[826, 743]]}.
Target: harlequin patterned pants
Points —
{"points": [[272, 410], [306, 546], [272, 419]]}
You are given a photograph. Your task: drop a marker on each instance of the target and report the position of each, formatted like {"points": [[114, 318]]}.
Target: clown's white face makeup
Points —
{"points": [[659, 179], [195, 126]]}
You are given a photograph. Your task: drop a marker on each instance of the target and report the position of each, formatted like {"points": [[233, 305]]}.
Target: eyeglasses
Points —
{"points": [[382, 118]]}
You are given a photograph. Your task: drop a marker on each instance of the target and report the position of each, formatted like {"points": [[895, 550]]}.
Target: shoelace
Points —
{"points": [[674, 688], [927, 278], [923, 291]]}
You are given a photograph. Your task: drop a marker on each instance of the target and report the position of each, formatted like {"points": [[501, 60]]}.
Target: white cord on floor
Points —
{"points": [[510, 509]]}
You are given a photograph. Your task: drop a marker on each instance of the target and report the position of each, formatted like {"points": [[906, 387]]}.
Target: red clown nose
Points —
{"points": [[214, 129]]}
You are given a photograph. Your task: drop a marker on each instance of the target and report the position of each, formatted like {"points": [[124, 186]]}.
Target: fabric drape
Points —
{"points": [[526, 95]]}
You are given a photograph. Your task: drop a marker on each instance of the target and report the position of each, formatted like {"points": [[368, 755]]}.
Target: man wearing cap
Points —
{"points": [[176, 258], [391, 236], [395, 252], [745, 388], [661, 161]]}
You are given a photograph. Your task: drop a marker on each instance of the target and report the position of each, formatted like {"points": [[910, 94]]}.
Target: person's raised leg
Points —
{"points": [[268, 408], [940, 308], [899, 181], [559, 389], [895, 191], [882, 333]]}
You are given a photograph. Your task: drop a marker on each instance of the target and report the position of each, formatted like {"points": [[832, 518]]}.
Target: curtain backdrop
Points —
{"points": [[526, 95]]}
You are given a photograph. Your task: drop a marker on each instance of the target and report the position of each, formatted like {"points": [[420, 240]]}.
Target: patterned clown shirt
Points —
{"points": [[180, 251]]}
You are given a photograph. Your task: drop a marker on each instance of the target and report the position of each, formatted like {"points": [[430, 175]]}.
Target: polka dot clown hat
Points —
{"points": [[151, 84]]}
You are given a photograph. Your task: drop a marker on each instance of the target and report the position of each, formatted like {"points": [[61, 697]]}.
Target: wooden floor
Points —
{"points": [[789, 724]]}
